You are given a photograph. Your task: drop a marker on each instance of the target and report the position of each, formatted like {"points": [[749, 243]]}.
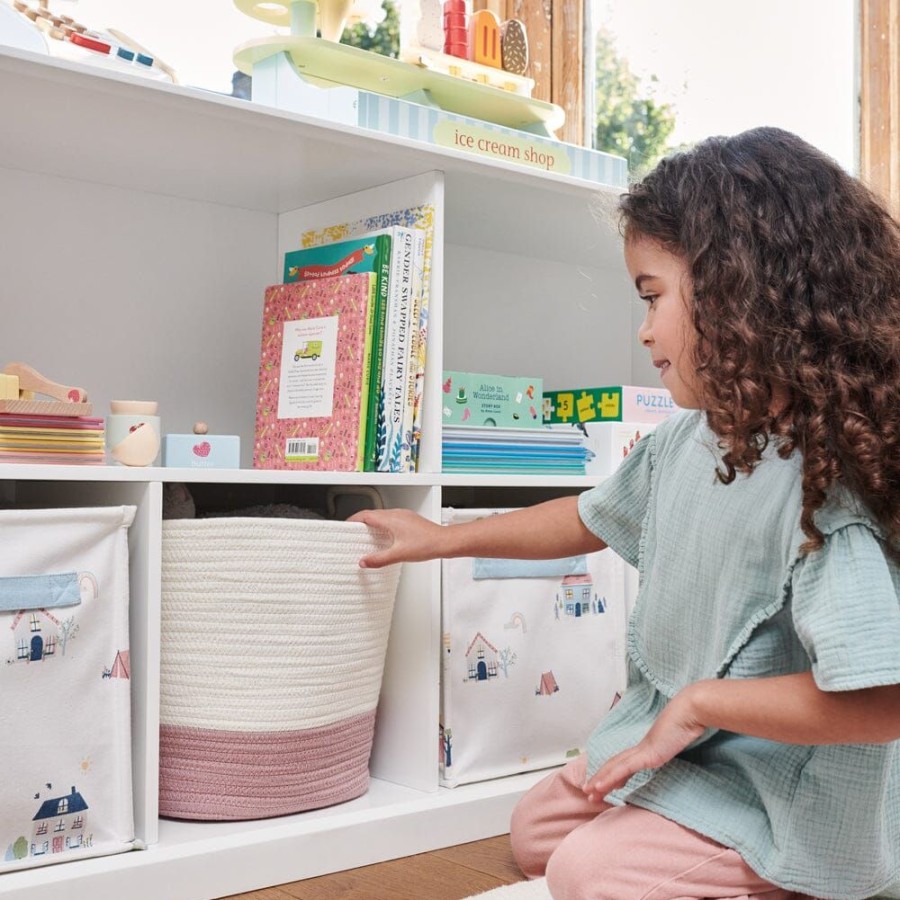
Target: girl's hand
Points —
{"points": [[675, 728], [413, 538]]}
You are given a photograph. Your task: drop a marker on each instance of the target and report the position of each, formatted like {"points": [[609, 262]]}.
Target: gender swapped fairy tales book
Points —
{"points": [[421, 220], [416, 359], [314, 374], [395, 414], [367, 253]]}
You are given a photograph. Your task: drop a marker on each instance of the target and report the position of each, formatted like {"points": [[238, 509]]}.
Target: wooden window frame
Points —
{"points": [[879, 99]]}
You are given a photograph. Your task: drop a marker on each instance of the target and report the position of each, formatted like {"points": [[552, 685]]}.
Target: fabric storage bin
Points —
{"points": [[273, 648], [66, 790], [533, 657]]}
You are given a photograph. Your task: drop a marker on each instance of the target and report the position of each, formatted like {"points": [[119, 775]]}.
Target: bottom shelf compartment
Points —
{"points": [[205, 860]]}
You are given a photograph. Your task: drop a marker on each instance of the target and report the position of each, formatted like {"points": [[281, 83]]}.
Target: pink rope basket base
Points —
{"points": [[213, 775]]}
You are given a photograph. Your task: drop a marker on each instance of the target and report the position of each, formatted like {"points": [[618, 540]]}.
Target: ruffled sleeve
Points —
{"points": [[615, 509], [846, 608]]}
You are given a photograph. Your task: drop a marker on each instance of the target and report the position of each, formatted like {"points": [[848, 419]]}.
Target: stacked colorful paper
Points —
{"points": [[550, 450], [51, 439]]}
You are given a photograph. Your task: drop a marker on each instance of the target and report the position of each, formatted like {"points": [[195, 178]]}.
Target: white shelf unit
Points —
{"points": [[140, 226]]}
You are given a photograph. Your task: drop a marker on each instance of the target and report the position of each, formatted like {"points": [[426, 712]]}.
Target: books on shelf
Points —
{"points": [[615, 403], [395, 415], [41, 439], [550, 450], [503, 401], [368, 253], [315, 366]]}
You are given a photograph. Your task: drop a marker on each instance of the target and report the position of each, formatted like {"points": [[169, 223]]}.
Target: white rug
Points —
{"points": [[522, 890]]}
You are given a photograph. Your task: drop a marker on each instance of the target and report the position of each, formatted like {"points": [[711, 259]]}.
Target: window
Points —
{"points": [[22, 649], [63, 807], [77, 822], [671, 72], [60, 826], [41, 829], [35, 622]]}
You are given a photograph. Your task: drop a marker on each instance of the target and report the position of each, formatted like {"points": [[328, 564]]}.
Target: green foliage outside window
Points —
{"points": [[385, 39], [627, 123]]}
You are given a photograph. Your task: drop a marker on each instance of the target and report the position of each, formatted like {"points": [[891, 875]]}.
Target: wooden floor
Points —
{"points": [[449, 874]]}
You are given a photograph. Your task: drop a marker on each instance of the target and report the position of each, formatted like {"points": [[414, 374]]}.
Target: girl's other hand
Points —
{"points": [[413, 538], [675, 728]]}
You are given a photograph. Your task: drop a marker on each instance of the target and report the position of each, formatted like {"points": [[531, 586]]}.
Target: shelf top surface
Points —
{"points": [[128, 124], [146, 474], [68, 120]]}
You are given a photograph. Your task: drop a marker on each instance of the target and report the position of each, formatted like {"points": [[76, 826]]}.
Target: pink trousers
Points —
{"points": [[591, 852]]}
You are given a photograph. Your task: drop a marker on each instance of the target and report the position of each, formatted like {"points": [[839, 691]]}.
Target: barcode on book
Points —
{"points": [[301, 450]]}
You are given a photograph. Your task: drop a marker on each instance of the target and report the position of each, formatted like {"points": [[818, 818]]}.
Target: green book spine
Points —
{"points": [[365, 392], [383, 275]]}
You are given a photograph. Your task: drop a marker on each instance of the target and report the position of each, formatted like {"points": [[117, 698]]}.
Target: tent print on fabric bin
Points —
{"points": [[548, 686], [481, 658], [121, 667]]}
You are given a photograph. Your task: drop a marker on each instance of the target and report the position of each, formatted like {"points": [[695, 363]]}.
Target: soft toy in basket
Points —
{"points": [[273, 647]]}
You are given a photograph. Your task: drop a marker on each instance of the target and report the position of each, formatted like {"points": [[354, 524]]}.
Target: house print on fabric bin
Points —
{"points": [[482, 659], [576, 600], [60, 824], [38, 634], [35, 633]]}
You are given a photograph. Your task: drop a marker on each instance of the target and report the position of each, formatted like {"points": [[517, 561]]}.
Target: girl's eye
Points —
{"points": [[649, 299]]}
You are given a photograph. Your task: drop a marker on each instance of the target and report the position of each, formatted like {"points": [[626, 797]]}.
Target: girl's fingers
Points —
{"points": [[613, 774], [375, 561]]}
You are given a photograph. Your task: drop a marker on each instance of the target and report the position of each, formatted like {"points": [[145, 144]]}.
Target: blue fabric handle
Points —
{"points": [[528, 568], [39, 591]]}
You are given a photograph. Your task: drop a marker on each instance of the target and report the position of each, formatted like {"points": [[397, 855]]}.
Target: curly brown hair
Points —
{"points": [[795, 297]]}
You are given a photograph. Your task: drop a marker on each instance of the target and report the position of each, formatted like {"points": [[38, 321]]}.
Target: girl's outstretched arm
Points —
{"points": [[546, 531], [787, 708]]}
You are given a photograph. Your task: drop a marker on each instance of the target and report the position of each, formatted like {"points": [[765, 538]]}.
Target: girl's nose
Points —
{"points": [[644, 333]]}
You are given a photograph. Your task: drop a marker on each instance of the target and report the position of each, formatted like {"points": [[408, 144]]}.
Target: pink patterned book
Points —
{"points": [[313, 374]]}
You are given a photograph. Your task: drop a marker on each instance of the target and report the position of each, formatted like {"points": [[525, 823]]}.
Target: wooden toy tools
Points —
{"points": [[20, 383]]}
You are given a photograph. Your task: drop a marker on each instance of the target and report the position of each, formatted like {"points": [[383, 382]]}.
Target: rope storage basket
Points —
{"points": [[273, 648]]}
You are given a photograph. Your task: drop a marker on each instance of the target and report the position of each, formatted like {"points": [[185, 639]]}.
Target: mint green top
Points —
{"points": [[725, 593]]}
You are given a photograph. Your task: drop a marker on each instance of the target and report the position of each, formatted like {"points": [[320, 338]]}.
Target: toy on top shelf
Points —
{"points": [[304, 17], [132, 432], [202, 450], [460, 67], [486, 93], [61, 36], [20, 383], [456, 34], [56, 430], [478, 47]]}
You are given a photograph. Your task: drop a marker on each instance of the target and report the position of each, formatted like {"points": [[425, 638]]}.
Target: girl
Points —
{"points": [[755, 750]]}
